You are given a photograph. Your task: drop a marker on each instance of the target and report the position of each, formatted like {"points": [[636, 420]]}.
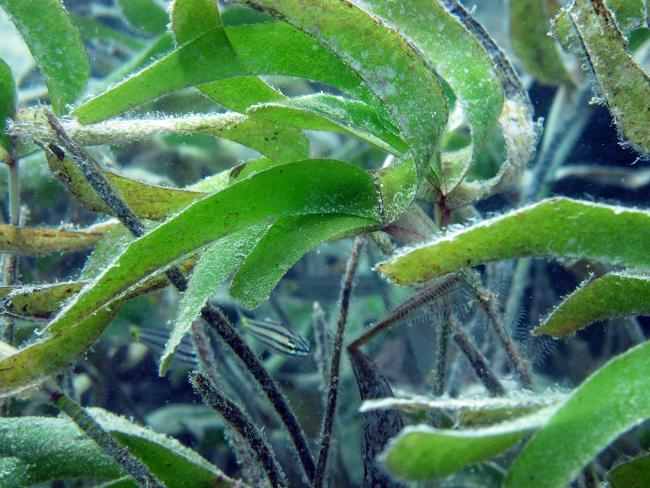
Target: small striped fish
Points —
{"points": [[278, 337], [155, 338]]}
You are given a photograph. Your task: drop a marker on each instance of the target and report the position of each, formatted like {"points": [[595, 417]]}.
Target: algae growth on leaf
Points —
{"points": [[211, 210]]}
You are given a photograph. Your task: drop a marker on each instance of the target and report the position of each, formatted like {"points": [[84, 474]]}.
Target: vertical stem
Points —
{"points": [[204, 352], [11, 262], [440, 372], [332, 396], [110, 446], [217, 320], [242, 424], [441, 355], [488, 303], [477, 360]]}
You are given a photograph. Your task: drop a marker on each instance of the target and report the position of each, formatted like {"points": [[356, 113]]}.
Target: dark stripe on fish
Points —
{"points": [[278, 337]]}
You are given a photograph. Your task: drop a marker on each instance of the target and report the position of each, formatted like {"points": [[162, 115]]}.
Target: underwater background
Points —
{"points": [[293, 330]]}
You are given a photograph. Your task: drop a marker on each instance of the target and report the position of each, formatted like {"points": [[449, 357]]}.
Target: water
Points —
{"points": [[165, 145]]}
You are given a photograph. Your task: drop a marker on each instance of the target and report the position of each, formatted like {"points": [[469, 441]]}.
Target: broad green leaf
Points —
{"points": [[173, 463], [629, 14], [422, 452], [38, 302], [469, 410], [614, 399], [31, 365], [558, 227], [56, 46], [34, 241], [145, 15], [519, 130], [40, 449], [151, 51], [392, 68], [304, 187], [611, 295], [210, 57], [287, 241], [331, 113], [223, 179], [240, 93], [43, 302], [7, 105], [621, 81], [538, 54], [457, 57], [193, 18], [112, 244], [147, 201], [631, 474], [397, 188], [215, 265], [267, 137]]}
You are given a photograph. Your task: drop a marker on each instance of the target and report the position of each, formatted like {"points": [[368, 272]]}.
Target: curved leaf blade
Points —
{"points": [[388, 64], [601, 409], [191, 19], [519, 130], [173, 463], [30, 366], [334, 187], [285, 242], [147, 201], [145, 15], [46, 449], [632, 474], [331, 113], [536, 51], [623, 83], [422, 452], [558, 227], [629, 13], [210, 57], [216, 263], [56, 46], [456, 56], [34, 241], [611, 295]]}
